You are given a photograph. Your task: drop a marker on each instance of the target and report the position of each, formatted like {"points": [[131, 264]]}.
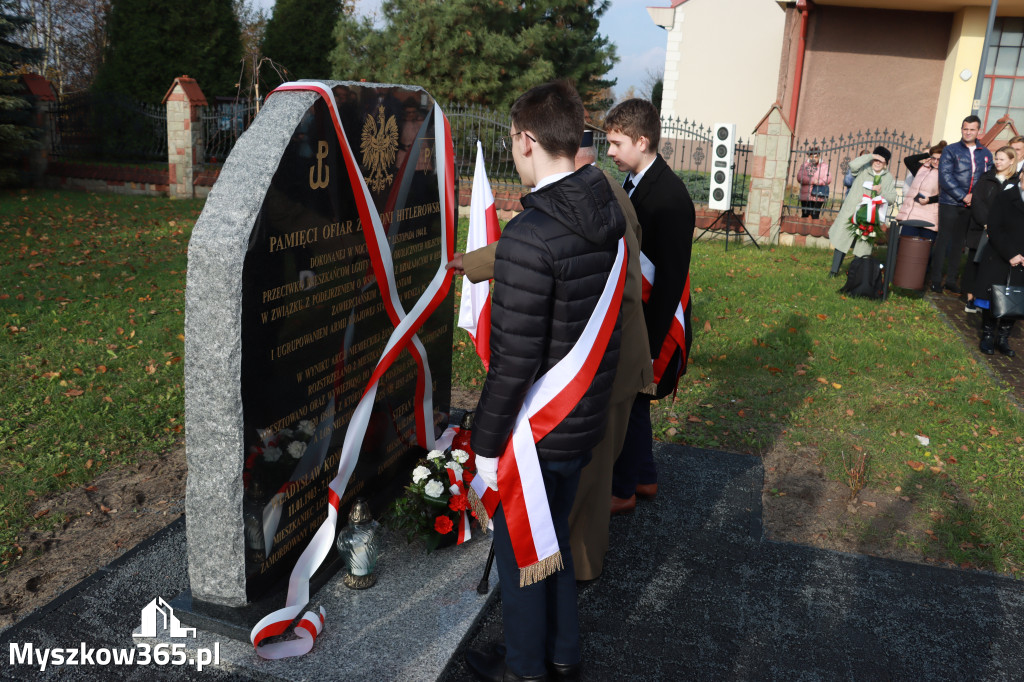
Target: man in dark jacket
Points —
{"points": [[552, 266], [667, 219], [960, 166]]}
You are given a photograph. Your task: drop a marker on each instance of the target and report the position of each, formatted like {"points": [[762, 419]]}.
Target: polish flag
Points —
{"points": [[475, 309]]}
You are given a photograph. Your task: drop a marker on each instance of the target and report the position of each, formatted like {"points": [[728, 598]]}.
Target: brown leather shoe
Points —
{"points": [[647, 490], [622, 505]]}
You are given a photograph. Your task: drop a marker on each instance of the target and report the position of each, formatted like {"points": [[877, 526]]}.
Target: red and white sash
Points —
{"points": [[551, 398], [403, 337], [677, 331]]}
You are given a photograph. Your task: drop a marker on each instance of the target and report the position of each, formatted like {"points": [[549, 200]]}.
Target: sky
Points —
{"points": [[641, 44]]}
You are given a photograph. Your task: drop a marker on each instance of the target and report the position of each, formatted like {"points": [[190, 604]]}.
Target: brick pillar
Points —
{"points": [[772, 143], [184, 102]]}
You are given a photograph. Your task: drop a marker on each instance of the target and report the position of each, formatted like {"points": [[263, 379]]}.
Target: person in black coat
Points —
{"points": [[667, 218], [1001, 261], [1002, 176], [551, 266]]}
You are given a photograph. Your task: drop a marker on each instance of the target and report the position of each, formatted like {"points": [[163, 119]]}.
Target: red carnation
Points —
{"points": [[458, 503], [443, 525]]}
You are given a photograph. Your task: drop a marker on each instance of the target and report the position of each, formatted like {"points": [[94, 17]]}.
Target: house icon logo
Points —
{"points": [[158, 615]]}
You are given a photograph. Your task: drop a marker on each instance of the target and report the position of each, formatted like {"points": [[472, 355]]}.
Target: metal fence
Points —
{"points": [[111, 127], [686, 147], [837, 153], [222, 124], [107, 127]]}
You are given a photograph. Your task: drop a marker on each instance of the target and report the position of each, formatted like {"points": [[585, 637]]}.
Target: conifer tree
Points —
{"points": [[150, 44], [17, 136], [300, 37], [487, 53]]}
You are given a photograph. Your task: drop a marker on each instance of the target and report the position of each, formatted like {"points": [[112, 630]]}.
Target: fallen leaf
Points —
{"points": [[837, 386], [868, 504], [916, 466], [707, 325], [822, 380], [822, 316], [104, 508], [73, 393], [936, 470], [40, 514], [88, 464], [91, 488], [849, 413], [102, 369], [774, 370]]}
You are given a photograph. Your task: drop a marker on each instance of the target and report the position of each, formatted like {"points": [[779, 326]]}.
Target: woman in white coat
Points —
{"points": [[871, 179]]}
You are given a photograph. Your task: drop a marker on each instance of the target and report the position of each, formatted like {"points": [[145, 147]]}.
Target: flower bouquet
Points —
{"points": [[438, 504], [868, 221]]}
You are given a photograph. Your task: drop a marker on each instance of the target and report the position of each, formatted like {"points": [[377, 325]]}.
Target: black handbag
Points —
{"points": [[1007, 301], [819, 191]]}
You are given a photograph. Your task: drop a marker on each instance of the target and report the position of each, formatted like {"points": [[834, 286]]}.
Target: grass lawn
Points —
{"points": [[92, 300]]}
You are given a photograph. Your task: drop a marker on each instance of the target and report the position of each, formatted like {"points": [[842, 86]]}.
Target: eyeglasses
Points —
{"points": [[506, 140]]}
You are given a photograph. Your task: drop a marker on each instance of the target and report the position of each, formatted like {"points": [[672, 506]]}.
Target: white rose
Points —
{"points": [[296, 449], [460, 456], [435, 454], [286, 434], [420, 474], [454, 467], [272, 454], [434, 489], [306, 428]]}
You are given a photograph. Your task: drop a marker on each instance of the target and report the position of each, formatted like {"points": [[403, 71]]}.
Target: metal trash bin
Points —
{"points": [[912, 263]]}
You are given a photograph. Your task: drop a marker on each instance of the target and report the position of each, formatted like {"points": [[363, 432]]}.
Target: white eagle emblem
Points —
{"points": [[379, 145]]}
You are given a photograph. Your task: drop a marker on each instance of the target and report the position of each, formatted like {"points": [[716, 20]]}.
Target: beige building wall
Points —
{"points": [[721, 60], [960, 71]]}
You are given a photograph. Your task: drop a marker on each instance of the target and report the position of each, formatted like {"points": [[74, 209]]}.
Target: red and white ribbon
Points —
{"points": [[677, 330], [877, 208], [406, 325], [551, 398], [457, 487], [475, 307]]}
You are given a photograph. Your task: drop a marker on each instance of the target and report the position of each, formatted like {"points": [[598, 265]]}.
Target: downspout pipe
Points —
{"points": [[801, 5], [976, 104]]}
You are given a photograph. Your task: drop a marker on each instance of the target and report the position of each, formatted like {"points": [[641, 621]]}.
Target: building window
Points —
{"points": [[1002, 91]]}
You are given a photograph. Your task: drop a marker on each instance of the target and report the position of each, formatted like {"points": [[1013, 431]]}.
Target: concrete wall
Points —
{"points": [[722, 60]]}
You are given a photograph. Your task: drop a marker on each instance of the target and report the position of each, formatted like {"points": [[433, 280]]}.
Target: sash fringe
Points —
{"points": [[478, 507], [534, 573]]}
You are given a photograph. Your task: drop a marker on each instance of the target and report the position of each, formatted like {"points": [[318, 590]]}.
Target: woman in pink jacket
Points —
{"points": [[814, 182], [921, 199]]}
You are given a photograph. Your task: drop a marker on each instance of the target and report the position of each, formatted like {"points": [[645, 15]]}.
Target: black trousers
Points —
{"points": [[949, 243], [635, 464]]}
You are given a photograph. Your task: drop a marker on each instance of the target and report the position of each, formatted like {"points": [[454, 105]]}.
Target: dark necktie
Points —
{"points": [[628, 186]]}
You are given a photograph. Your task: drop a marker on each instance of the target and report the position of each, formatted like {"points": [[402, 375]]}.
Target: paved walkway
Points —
{"points": [[1009, 370]]}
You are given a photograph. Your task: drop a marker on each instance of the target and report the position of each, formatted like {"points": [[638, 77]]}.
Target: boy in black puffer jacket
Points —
{"points": [[552, 264]]}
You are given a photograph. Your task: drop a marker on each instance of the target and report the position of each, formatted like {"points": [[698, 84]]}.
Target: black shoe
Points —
{"points": [[951, 288], [1003, 343], [833, 275], [565, 671], [491, 667], [557, 671], [969, 307]]}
